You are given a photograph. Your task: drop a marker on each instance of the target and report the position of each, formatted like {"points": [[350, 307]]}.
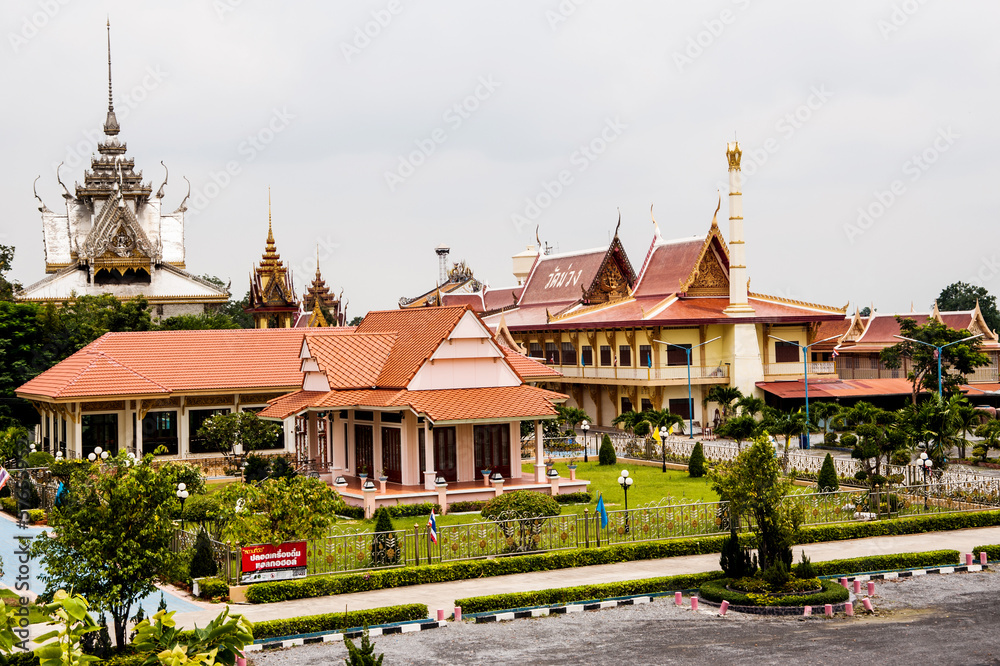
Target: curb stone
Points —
{"points": [[267, 644]]}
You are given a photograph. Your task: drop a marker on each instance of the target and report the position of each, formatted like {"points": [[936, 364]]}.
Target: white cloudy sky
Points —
{"points": [[669, 82]]}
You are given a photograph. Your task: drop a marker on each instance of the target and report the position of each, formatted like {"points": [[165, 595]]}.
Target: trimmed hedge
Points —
{"points": [[992, 552], [715, 590], [308, 624], [854, 565], [501, 602], [319, 586], [212, 588], [466, 507], [395, 510], [575, 498]]}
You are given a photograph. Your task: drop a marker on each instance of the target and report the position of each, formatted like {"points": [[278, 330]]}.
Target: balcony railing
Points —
{"points": [[823, 368], [673, 372]]}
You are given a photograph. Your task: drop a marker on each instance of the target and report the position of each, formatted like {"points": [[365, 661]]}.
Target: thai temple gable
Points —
{"points": [[113, 237], [317, 299], [272, 294]]}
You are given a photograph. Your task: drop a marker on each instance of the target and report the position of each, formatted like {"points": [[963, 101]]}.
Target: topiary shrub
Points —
{"points": [[606, 454], [523, 503], [203, 559], [827, 480], [257, 468], [696, 465], [830, 439], [848, 440], [282, 469], [385, 545], [40, 459], [201, 508], [776, 575], [805, 569]]}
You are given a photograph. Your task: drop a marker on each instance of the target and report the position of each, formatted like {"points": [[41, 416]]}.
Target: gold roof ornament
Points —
{"points": [[111, 126], [733, 155]]}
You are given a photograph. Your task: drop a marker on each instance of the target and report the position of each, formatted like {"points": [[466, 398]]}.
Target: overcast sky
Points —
{"points": [[387, 128]]}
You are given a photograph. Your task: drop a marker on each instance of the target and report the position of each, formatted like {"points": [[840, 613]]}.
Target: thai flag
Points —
{"points": [[432, 527], [835, 352], [4, 477]]}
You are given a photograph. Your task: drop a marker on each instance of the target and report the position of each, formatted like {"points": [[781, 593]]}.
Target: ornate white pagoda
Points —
{"points": [[114, 237]]}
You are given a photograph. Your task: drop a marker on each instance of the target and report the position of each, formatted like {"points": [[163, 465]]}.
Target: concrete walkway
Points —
{"points": [[443, 595]]}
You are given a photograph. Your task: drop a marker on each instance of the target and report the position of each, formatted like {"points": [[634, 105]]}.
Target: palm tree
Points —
{"points": [[966, 420], [790, 425], [659, 418], [739, 429], [571, 416], [750, 404], [990, 432], [725, 396], [628, 420]]}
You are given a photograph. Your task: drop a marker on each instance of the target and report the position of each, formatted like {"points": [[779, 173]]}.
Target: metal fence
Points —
{"points": [[226, 556]]}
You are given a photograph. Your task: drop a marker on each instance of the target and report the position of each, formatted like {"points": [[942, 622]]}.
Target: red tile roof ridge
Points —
{"points": [[792, 301]]}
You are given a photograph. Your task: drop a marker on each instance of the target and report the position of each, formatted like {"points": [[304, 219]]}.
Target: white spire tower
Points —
{"points": [[739, 304]]}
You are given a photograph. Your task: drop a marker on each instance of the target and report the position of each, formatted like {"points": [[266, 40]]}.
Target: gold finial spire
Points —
{"points": [[270, 232], [111, 124], [733, 154], [715, 223], [317, 260]]}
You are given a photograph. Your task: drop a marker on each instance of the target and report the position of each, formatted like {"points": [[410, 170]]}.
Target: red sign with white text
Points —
{"points": [[265, 557]]}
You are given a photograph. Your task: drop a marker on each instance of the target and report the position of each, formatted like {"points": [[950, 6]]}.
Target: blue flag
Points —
{"points": [[601, 511]]}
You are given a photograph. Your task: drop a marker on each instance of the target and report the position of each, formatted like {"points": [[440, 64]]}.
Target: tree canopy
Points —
{"points": [[957, 360], [277, 510], [964, 296]]}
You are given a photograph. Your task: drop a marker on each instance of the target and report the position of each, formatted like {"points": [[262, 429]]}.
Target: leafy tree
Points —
{"points": [[790, 425], [236, 310], [364, 655], [112, 538], [825, 412], [990, 434], [606, 455], [957, 360], [224, 431], [281, 468], [696, 463], [725, 396], [7, 288], [963, 296], [754, 487], [203, 562], [865, 311], [277, 510], [966, 419], [356, 321], [385, 546], [199, 322], [827, 479], [877, 438]]}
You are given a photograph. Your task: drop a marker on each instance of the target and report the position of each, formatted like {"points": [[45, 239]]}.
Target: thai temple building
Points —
{"points": [[624, 339], [273, 303], [115, 237]]}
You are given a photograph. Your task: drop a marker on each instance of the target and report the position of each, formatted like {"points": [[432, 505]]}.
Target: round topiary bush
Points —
{"points": [[718, 591], [40, 459], [523, 503], [606, 455], [696, 465]]}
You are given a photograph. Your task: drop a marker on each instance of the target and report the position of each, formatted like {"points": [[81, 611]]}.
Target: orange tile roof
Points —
{"points": [[838, 388], [441, 405], [351, 360], [527, 368], [168, 361], [419, 331]]}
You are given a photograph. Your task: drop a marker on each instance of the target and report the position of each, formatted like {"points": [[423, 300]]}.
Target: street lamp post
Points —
{"points": [[805, 367], [98, 452], [182, 494], [585, 427], [687, 351], [925, 464], [939, 349], [625, 481], [663, 446]]}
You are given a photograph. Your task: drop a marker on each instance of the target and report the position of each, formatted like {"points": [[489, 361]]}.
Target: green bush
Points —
{"points": [[992, 552], [187, 473], [716, 591], [308, 624], [595, 592], [805, 569], [213, 588], [281, 468], [40, 459], [465, 507], [411, 510], [848, 440], [385, 549], [257, 468], [854, 565], [735, 559], [9, 504], [776, 575], [64, 468], [827, 479], [606, 454], [521, 502], [830, 439], [354, 512], [203, 562], [36, 515], [201, 508], [696, 464], [575, 498]]}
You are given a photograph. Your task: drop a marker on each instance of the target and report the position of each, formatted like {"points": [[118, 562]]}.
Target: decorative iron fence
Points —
{"points": [[226, 556]]}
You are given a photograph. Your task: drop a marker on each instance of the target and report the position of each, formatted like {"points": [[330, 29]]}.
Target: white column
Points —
{"points": [[77, 445], [539, 454], [739, 304], [429, 474], [336, 439]]}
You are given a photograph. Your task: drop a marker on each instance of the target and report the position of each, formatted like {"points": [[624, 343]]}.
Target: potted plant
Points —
{"points": [[572, 462], [362, 472], [382, 476]]}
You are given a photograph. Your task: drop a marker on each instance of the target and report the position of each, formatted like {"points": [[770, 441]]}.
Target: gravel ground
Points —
{"points": [[947, 619]]}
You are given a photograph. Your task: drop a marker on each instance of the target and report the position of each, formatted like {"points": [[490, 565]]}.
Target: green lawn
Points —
{"points": [[11, 599]]}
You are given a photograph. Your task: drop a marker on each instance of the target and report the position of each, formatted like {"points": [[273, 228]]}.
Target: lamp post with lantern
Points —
{"points": [[585, 426], [625, 481], [926, 464], [182, 494]]}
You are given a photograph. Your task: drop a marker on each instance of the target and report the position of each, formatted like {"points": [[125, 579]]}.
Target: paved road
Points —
{"points": [[443, 595]]}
